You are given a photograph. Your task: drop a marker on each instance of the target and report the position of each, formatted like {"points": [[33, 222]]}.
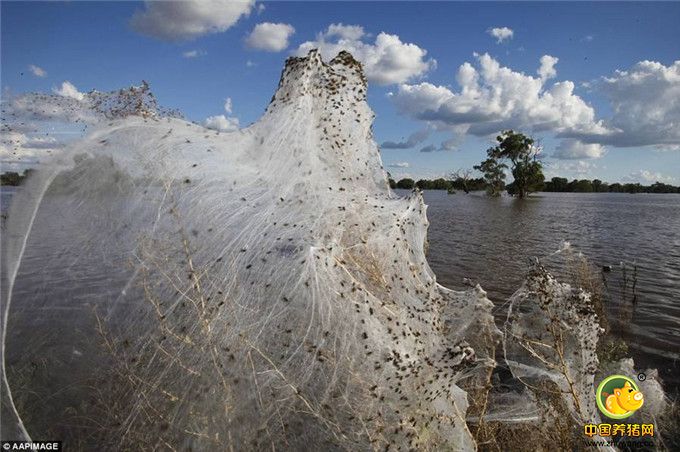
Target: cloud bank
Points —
{"points": [[270, 37], [645, 102], [184, 20], [387, 60], [574, 149]]}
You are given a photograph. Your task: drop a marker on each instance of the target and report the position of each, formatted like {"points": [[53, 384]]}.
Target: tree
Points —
{"points": [[583, 186], [461, 179], [423, 184], [558, 184], [599, 186], [12, 178], [406, 183], [633, 188], [493, 182], [494, 175], [522, 154], [616, 187], [440, 184]]}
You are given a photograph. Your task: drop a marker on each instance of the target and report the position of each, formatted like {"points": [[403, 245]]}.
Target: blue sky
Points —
{"points": [[586, 134]]}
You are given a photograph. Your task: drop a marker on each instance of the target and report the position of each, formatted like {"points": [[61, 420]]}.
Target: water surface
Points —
{"points": [[488, 240], [491, 240]]}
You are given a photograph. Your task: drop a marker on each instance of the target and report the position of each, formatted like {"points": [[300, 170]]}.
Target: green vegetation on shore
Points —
{"points": [[521, 153], [556, 184], [12, 178], [467, 184]]}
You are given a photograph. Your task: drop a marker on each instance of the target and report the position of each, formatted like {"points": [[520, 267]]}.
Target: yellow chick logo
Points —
{"points": [[619, 397]]}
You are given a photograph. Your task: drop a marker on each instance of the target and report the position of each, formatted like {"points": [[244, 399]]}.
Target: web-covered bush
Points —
{"points": [[238, 290]]}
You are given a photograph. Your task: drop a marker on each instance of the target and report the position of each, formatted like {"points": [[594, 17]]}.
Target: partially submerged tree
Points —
{"points": [[494, 175], [462, 178], [522, 154]]}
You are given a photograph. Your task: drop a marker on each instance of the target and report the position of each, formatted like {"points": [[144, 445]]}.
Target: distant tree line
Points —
{"points": [[463, 182], [458, 183], [561, 184], [556, 184], [13, 179], [520, 154]]}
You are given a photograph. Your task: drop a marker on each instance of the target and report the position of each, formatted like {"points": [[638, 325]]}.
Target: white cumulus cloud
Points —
{"points": [[501, 33], [37, 71], [67, 89], [493, 98], [400, 165], [386, 60], [270, 37], [547, 69], [574, 149], [188, 19], [341, 31], [222, 123], [645, 101]]}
